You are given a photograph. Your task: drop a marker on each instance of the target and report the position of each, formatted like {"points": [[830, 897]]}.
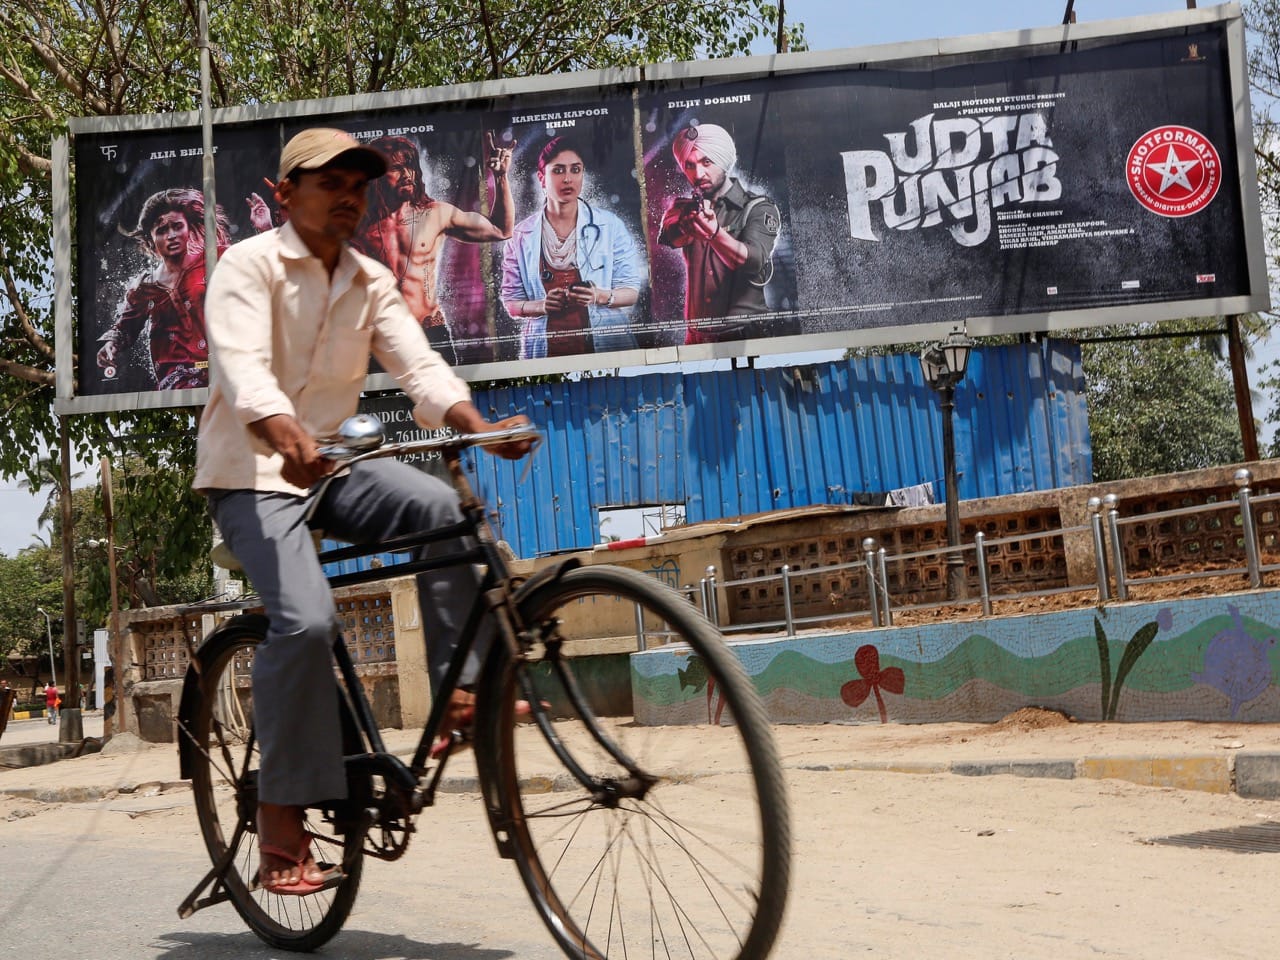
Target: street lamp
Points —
{"points": [[943, 365], [48, 632]]}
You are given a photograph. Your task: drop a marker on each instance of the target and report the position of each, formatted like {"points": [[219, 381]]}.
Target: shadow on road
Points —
{"points": [[350, 945]]}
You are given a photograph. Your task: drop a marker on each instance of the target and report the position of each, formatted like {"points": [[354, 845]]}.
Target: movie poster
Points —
{"points": [[719, 215], [434, 218], [574, 277], [1103, 177], [142, 256], [678, 213]]}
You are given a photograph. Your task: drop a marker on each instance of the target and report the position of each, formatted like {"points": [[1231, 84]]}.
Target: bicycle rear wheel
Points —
{"points": [[677, 845], [224, 777]]}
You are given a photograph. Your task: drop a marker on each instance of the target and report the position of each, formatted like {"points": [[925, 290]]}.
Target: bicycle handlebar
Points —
{"points": [[349, 454]]}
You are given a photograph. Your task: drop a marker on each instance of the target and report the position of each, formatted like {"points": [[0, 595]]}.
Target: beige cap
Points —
{"points": [[321, 146]]}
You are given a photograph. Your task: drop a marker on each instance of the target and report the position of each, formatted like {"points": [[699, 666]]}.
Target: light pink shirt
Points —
{"points": [[286, 338]]}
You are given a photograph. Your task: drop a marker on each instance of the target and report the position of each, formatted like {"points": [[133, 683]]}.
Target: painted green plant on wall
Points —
{"points": [[695, 676], [1135, 648]]}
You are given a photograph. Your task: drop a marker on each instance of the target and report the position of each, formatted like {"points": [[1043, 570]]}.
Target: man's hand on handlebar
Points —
{"points": [[512, 450], [465, 418], [303, 464]]}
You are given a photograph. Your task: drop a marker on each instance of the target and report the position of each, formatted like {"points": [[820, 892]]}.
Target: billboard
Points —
{"points": [[1047, 179]]}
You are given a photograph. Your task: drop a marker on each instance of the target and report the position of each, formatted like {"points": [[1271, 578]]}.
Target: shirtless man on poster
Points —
{"points": [[406, 229]]}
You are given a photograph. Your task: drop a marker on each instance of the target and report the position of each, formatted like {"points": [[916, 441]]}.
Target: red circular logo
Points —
{"points": [[1173, 171]]}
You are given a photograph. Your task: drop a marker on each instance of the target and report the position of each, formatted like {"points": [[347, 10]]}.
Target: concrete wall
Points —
{"points": [[998, 666], [1211, 659]]}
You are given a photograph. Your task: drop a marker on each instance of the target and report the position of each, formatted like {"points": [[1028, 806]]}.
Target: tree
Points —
{"points": [[1158, 406], [1263, 20], [115, 57], [31, 580], [48, 470]]}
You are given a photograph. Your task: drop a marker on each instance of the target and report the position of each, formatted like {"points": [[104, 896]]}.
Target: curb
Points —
{"points": [[1250, 775], [39, 754]]}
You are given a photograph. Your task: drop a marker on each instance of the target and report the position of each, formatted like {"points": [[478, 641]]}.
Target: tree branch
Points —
{"points": [[23, 371], [46, 54], [489, 44], [29, 331], [32, 164], [14, 75]]}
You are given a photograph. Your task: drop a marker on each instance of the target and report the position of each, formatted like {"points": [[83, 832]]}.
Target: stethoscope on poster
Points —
{"points": [[588, 246]]}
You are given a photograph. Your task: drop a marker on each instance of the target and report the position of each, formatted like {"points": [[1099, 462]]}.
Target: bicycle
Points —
{"points": [[624, 850]]}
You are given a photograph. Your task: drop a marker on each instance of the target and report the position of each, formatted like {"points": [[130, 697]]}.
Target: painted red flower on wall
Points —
{"points": [[891, 679]]}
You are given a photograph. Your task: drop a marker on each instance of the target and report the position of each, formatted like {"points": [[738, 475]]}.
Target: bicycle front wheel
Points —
{"points": [[224, 777], [637, 836]]}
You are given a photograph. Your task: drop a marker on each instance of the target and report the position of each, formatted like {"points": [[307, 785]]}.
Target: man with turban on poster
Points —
{"points": [[727, 235]]}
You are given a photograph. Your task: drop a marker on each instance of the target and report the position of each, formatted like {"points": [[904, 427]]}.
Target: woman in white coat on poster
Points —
{"points": [[570, 272]]}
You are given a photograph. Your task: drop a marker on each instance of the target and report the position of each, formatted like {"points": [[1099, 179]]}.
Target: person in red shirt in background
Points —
{"points": [[51, 701]]}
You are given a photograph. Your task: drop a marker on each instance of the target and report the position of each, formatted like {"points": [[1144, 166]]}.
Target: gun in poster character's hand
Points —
{"points": [[678, 229]]}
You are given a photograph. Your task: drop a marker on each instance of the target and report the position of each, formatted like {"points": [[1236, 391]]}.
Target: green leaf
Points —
{"points": [[1104, 662], [1132, 651]]}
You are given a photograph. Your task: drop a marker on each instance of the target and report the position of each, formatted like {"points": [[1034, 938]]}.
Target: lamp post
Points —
{"points": [[944, 364], [115, 654], [48, 632]]}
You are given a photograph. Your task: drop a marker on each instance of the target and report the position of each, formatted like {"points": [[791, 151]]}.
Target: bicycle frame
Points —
{"points": [[611, 871], [496, 596]]}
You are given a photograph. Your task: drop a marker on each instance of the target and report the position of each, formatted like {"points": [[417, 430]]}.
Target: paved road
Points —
{"points": [[40, 730], [888, 865]]}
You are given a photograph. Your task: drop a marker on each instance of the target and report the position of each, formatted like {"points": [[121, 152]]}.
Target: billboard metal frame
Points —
{"points": [[914, 54]]}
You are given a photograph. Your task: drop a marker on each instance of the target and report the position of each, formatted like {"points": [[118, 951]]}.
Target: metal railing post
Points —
{"points": [[979, 546], [881, 566], [1099, 549], [642, 642], [786, 600], [713, 598], [869, 556], [1252, 560], [1111, 502]]}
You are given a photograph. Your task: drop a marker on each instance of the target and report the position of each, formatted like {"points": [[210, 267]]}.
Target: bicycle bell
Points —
{"points": [[362, 432]]}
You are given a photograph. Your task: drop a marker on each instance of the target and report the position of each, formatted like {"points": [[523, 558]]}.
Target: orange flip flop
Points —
{"points": [[332, 874]]}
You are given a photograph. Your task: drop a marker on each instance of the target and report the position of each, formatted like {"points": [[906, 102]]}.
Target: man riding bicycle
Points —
{"points": [[293, 316]]}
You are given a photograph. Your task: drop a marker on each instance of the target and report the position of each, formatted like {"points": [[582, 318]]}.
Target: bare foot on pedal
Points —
{"points": [[286, 864], [459, 717]]}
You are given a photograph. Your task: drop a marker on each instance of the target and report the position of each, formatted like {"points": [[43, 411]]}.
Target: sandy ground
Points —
{"points": [[886, 865], [1029, 734]]}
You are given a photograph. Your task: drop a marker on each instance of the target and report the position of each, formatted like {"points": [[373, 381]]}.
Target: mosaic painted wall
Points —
{"points": [[1211, 658]]}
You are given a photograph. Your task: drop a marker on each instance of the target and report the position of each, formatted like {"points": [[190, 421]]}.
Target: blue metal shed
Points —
{"points": [[748, 440]]}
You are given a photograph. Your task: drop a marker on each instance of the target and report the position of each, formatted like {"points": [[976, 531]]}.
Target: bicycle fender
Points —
{"points": [[547, 575], [526, 587], [191, 689], [490, 682]]}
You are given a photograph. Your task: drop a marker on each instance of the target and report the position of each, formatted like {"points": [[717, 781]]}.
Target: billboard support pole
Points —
{"points": [[119, 662], [1240, 381], [206, 129], [70, 650]]}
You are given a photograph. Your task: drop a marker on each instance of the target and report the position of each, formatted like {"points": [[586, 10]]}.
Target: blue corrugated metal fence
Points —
{"points": [[749, 440]]}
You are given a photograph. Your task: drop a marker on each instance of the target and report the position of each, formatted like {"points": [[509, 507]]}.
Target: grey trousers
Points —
{"points": [[295, 700]]}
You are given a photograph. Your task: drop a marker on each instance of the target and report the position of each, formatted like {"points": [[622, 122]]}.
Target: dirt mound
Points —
{"points": [[1033, 718]]}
